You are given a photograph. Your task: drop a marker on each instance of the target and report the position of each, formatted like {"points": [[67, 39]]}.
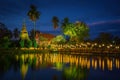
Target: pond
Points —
{"points": [[59, 66]]}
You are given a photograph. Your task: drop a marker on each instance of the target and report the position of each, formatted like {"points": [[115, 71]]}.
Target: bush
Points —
{"points": [[5, 42], [21, 43], [34, 43]]}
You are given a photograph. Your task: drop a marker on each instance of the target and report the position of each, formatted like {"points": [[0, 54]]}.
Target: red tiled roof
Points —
{"points": [[45, 35]]}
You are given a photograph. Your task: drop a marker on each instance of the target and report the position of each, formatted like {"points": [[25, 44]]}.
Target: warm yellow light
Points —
{"points": [[103, 44], [108, 46]]}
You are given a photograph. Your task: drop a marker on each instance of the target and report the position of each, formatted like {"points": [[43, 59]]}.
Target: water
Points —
{"points": [[55, 66]]}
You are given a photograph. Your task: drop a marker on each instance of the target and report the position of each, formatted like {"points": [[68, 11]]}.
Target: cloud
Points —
{"points": [[104, 22]]}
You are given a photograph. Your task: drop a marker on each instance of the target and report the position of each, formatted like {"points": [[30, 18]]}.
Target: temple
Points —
{"points": [[43, 38]]}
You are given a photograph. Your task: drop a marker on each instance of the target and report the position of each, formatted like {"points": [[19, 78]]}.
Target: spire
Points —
{"points": [[24, 27], [24, 33], [24, 22]]}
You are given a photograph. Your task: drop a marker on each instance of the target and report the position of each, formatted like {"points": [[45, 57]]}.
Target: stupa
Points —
{"points": [[24, 34]]}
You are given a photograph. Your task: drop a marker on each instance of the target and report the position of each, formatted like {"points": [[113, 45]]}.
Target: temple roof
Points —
{"points": [[24, 28], [24, 34]]}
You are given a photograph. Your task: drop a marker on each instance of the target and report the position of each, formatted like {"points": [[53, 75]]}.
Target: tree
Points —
{"points": [[4, 32], [33, 15], [6, 42], [9, 34], [65, 21], [32, 34], [104, 38], [16, 33], [21, 43], [76, 32], [116, 40], [27, 43], [59, 39], [55, 21], [81, 30], [35, 44], [69, 30]]}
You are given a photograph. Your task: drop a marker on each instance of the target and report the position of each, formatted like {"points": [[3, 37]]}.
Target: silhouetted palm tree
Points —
{"points": [[55, 21], [33, 15], [65, 21]]}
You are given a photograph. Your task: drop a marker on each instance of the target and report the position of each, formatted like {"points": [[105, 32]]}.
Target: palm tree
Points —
{"points": [[33, 15], [55, 21], [65, 22]]}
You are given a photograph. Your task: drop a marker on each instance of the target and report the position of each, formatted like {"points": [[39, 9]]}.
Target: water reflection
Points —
{"points": [[56, 60], [72, 67]]}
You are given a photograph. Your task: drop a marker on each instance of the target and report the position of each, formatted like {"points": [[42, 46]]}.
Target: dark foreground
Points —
{"points": [[56, 66]]}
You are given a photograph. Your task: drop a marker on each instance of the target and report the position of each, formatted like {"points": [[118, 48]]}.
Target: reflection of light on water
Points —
{"points": [[103, 64], [109, 64], [95, 64], [83, 61], [23, 67], [71, 64], [88, 64], [99, 62], [92, 62], [23, 70], [117, 63]]}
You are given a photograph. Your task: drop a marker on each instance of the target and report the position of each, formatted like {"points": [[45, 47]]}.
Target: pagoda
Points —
{"points": [[24, 34]]}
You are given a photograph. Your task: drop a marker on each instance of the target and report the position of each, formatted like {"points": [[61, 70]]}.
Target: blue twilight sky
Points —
{"points": [[99, 15]]}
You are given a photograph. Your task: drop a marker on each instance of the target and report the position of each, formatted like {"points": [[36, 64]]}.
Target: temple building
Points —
{"points": [[24, 34], [43, 38]]}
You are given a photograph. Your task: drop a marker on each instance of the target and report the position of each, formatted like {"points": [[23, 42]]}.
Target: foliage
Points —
{"points": [[5, 42], [34, 43], [25, 43], [30, 43], [4, 31], [65, 21], [21, 43], [82, 31], [33, 15], [14, 43], [116, 40], [49, 46], [69, 30], [104, 38], [59, 39], [77, 32], [55, 21]]}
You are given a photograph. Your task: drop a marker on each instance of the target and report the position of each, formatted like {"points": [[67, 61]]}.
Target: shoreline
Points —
{"points": [[65, 51]]}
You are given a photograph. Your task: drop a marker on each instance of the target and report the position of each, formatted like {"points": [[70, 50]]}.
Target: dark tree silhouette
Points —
{"points": [[65, 22], [16, 33], [33, 15], [55, 21], [104, 38]]}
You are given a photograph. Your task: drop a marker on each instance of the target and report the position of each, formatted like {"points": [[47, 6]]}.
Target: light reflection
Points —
{"points": [[103, 64], [83, 61], [71, 65]]}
